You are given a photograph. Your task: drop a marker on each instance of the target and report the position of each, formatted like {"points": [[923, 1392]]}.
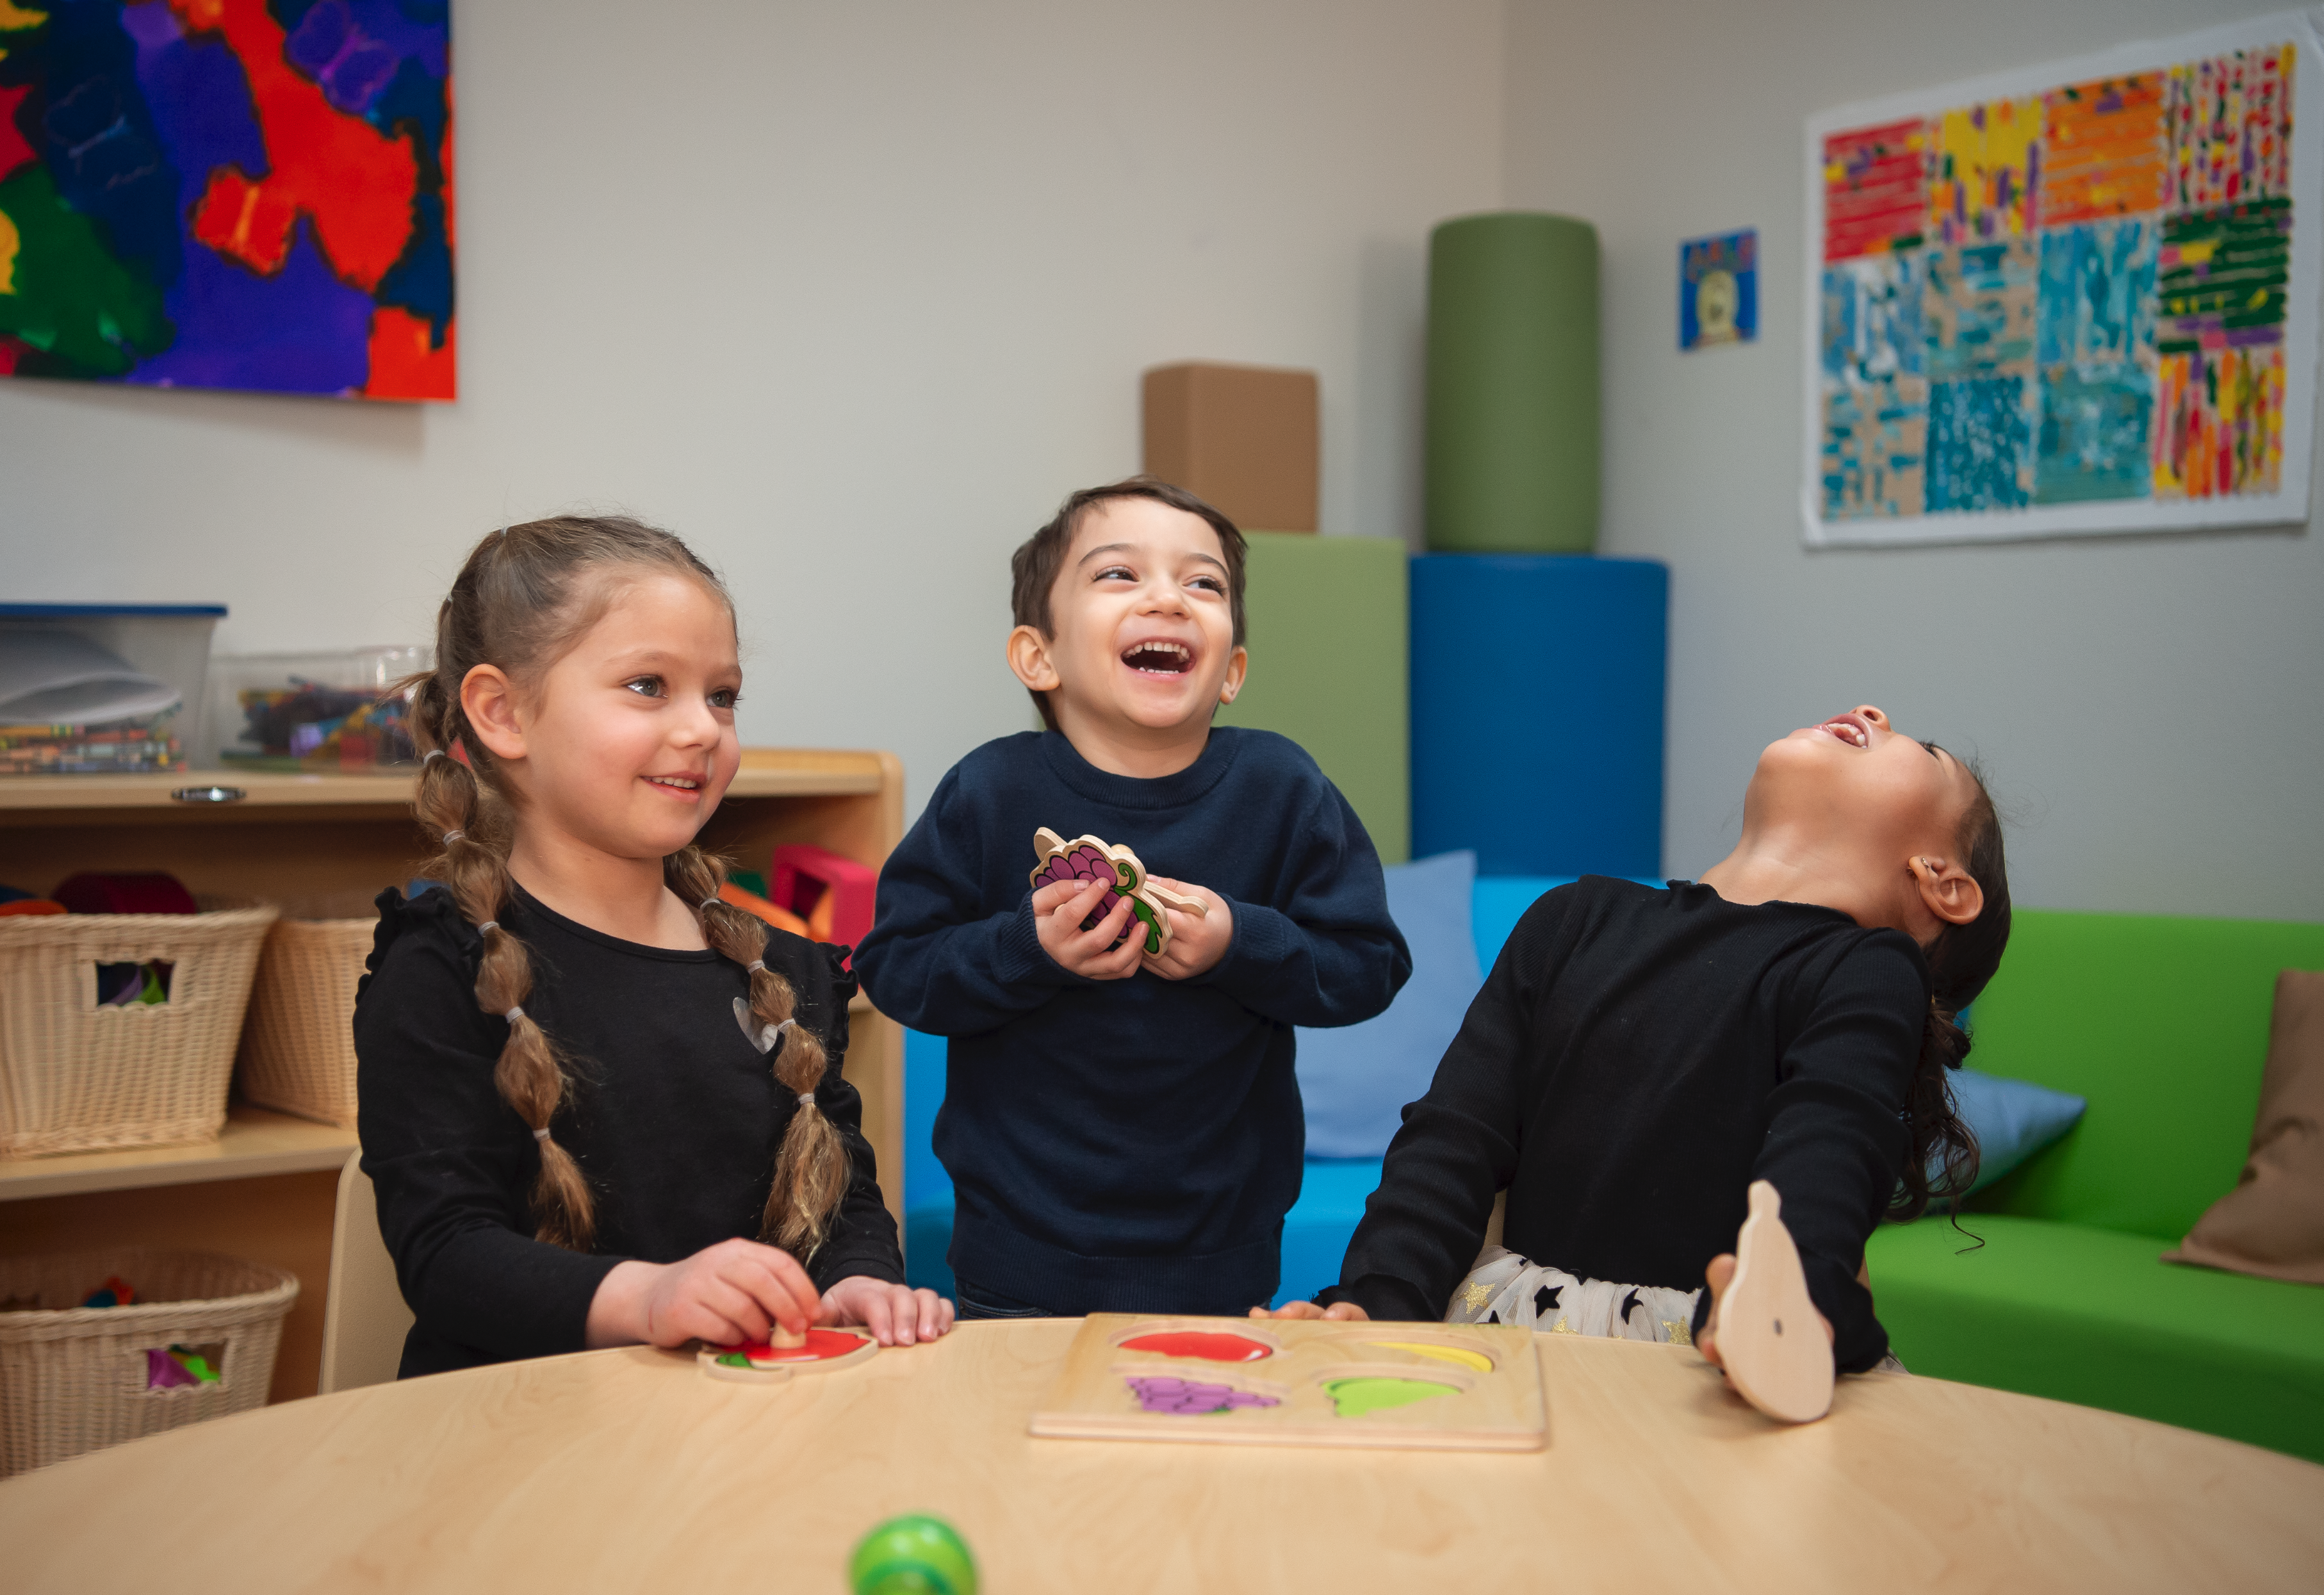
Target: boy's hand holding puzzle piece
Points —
{"points": [[1101, 916]]}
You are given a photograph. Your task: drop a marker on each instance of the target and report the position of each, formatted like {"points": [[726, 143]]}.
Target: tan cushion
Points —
{"points": [[2273, 1222]]}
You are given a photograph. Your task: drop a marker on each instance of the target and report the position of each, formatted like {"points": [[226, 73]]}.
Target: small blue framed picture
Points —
{"points": [[1719, 290]]}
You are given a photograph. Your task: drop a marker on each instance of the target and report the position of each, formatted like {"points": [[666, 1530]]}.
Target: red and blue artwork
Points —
{"points": [[249, 194]]}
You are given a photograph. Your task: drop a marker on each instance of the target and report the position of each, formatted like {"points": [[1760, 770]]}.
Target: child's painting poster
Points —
{"points": [[2073, 299], [228, 194], [1719, 290]]}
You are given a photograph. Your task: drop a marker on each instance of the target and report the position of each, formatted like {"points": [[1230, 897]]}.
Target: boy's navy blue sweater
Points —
{"points": [[1130, 1146]]}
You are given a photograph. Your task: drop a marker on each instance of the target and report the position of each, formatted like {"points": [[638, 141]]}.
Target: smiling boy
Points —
{"points": [[1123, 1129]]}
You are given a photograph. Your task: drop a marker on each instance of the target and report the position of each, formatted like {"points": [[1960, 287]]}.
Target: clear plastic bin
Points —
{"points": [[317, 711]]}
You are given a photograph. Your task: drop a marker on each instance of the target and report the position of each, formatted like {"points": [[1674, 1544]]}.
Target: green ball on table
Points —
{"points": [[912, 1555]]}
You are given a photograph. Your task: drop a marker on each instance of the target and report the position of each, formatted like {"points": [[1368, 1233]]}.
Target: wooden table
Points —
{"points": [[626, 1471]]}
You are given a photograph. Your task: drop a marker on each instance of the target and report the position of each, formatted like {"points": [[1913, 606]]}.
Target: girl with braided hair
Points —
{"points": [[600, 1106]]}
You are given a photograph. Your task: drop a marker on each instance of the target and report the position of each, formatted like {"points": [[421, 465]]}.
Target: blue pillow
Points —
{"points": [[2012, 1120], [1356, 1080]]}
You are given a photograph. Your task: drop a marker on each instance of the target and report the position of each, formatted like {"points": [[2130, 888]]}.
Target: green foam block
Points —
{"points": [[1513, 425], [1329, 628]]}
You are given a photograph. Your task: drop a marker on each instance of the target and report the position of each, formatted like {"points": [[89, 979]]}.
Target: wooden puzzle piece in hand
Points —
{"points": [[765, 1362], [1770, 1340], [1090, 857], [1298, 1382]]}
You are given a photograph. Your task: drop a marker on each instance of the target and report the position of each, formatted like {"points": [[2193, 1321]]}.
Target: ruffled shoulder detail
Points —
{"points": [[834, 959], [431, 917], [820, 979]]}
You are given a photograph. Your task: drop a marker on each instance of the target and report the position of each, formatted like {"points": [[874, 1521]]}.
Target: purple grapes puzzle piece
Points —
{"points": [[1162, 1393], [1083, 862]]}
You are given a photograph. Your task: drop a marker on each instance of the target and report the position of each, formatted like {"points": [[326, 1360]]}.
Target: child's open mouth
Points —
{"points": [[1848, 729], [1160, 659], [684, 786]]}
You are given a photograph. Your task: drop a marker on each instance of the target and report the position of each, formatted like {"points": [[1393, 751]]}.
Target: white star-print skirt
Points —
{"points": [[1506, 1288]]}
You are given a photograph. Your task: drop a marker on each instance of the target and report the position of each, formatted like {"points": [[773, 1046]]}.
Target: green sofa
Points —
{"points": [[2162, 1025]]}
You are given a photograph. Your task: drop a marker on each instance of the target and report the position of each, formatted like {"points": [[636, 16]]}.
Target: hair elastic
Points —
{"points": [[488, 925], [513, 1014], [756, 967], [433, 753], [806, 1099], [706, 903], [786, 1025], [541, 1134], [452, 837]]}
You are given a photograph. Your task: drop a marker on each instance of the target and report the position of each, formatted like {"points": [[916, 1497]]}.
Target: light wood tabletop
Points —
{"points": [[627, 1471]]}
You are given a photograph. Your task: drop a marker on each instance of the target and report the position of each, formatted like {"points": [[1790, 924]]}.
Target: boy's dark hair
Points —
{"points": [[1033, 568], [1962, 960]]}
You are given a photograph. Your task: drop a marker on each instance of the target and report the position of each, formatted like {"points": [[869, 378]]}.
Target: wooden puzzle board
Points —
{"points": [[1242, 1382]]}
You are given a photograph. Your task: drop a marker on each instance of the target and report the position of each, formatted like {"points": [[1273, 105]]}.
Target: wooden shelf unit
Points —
{"points": [[255, 1142], [267, 1187]]}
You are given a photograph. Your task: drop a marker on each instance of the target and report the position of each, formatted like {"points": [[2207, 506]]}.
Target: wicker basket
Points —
{"points": [[76, 1379], [298, 1048], [75, 1075]]}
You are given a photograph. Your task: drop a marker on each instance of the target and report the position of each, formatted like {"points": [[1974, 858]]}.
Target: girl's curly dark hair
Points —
{"points": [[1962, 960]]}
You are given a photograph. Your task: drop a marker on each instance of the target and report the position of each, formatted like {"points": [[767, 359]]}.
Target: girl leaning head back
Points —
{"points": [[1898, 832], [606, 593]]}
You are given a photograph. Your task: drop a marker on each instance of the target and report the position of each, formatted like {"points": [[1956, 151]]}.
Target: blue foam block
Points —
{"points": [[1537, 686]]}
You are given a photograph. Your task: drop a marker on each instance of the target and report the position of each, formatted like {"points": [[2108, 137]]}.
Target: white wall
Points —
{"points": [[852, 294], [849, 295], [2153, 707]]}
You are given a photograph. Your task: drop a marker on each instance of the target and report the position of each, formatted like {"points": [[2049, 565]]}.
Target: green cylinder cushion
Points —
{"points": [[1513, 430]]}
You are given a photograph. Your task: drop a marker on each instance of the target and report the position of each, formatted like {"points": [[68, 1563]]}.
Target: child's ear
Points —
{"points": [[1947, 890], [1028, 657], [488, 701], [1238, 666]]}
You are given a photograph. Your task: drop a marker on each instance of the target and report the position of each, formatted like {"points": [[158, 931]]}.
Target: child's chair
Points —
{"points": [[365, 1319]]}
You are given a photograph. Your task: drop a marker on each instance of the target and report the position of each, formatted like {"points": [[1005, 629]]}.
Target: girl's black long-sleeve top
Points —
{"points": [[674, 1117], [1636, 1058]]}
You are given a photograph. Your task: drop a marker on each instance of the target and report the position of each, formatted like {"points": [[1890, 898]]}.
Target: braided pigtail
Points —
{"points": [[472, 822], [811, 1168]]}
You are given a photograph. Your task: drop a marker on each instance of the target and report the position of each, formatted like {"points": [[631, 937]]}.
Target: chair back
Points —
{"points": [[365, 1319]]}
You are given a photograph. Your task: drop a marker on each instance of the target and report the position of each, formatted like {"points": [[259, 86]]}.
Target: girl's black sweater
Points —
{"points": [[675, 1118], [1638, 1056]]}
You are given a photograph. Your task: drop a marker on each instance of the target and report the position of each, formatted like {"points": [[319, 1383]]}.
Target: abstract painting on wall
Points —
{"points": [[249, 194], [2079, 298]]}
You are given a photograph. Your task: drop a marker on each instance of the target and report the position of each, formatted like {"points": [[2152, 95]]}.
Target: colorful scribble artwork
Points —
{"points": [[2219, 423], [1876, 190], [2104, 149], [1877, 391], [1980, 443], [251, 194], [2077, 306], [1985, 161]]}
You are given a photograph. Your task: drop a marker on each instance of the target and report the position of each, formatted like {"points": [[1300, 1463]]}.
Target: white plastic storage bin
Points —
{"points": [[167, 641]]}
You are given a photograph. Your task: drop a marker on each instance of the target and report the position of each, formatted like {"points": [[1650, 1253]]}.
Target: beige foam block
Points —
{"points": [[1243, 438]]}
